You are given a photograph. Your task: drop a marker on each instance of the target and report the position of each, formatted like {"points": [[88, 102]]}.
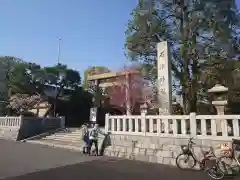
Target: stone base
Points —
{"points": [[9, 133], [155, 149]]}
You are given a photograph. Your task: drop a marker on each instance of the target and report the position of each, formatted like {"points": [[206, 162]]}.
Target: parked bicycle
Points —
{"points": [[188, 157], [229, 162]]}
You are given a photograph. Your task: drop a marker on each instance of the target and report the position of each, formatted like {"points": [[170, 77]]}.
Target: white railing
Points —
{"points": [[201, 126], [11, 121]]}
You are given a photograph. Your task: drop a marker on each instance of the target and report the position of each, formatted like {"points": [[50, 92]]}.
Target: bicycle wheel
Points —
{"points": [[202, 164], [187, 159], [215, 173], [228, 165]]}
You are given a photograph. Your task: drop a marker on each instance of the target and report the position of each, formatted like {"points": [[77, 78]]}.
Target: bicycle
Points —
{"points": [[208, 156], [231, 157]]}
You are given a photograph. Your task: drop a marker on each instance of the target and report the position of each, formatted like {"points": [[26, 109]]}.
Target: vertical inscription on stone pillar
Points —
{"points": [[164, 78]]}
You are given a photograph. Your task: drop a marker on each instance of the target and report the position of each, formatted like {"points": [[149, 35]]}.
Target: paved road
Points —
{"points": [[27, 162]]}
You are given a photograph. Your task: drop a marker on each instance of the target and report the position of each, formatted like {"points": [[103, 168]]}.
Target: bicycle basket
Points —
{"points": [[226, 149], [184, 149], [210, 163]]}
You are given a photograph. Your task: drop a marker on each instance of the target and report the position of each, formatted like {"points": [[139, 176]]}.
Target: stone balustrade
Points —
{"points": [[198, 126], [21, 127], [158, 138], [10, 121]]}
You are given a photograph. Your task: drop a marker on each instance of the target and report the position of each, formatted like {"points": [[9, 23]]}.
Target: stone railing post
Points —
{"points": [[193, 123], [3, 122], [143, 123], [62, 122], [106, 123], [21, 119]]}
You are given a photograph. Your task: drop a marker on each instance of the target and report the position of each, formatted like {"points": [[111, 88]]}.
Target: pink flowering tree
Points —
{"points": [[23, 102], [130, 90]]}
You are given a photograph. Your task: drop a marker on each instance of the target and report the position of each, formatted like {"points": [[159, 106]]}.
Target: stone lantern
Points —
{"points": [[144, 108], [220, 101]]}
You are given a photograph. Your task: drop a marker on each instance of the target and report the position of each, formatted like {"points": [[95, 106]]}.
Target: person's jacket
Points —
{"points": [[94, 133]]}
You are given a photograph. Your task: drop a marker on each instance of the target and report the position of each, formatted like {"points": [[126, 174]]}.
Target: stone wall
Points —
{"points": [[9, 133], [32, 126], [162, 150], [158, 138], [18, 128]]}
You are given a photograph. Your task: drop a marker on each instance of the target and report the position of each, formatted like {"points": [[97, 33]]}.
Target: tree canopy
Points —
{"points": [[29, 79], [201, 34], [7, 63]]}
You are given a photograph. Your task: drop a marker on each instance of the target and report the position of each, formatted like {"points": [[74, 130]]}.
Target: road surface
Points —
{"points": [[22, 161]]}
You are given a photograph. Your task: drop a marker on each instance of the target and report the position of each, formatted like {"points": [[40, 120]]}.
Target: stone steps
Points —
{"points": [[67, 140], [74, 136], [66, 135], [63, 139], [57, 144]]}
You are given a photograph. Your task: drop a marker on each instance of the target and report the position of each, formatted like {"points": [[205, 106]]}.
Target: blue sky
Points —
{"points": [[92, 31]]}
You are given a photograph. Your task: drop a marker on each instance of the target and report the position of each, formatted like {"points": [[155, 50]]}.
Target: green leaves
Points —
{"points": [[6, 74], [197, 31], [61, 74], [30, 78]]}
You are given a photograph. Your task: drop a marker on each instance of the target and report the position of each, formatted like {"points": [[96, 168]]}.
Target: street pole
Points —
{"points": [[59, 50], [58, 62]]}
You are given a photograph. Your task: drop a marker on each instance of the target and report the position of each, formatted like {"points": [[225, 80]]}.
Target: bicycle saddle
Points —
{"points": [[206, 152], [209, 152]]}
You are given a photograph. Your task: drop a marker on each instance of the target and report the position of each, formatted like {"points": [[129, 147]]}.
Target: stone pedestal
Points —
{"points": [[220, 102], [220, 107]]}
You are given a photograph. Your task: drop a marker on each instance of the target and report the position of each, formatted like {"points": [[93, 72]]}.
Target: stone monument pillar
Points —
{"points": [[164, 78], [220, 102], [164, 83]]}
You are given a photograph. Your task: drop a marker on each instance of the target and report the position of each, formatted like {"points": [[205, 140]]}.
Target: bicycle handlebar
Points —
{"points": [[191, 141]]}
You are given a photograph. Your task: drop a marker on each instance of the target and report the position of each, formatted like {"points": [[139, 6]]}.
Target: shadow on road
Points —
{"points": [[111, 168]]}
